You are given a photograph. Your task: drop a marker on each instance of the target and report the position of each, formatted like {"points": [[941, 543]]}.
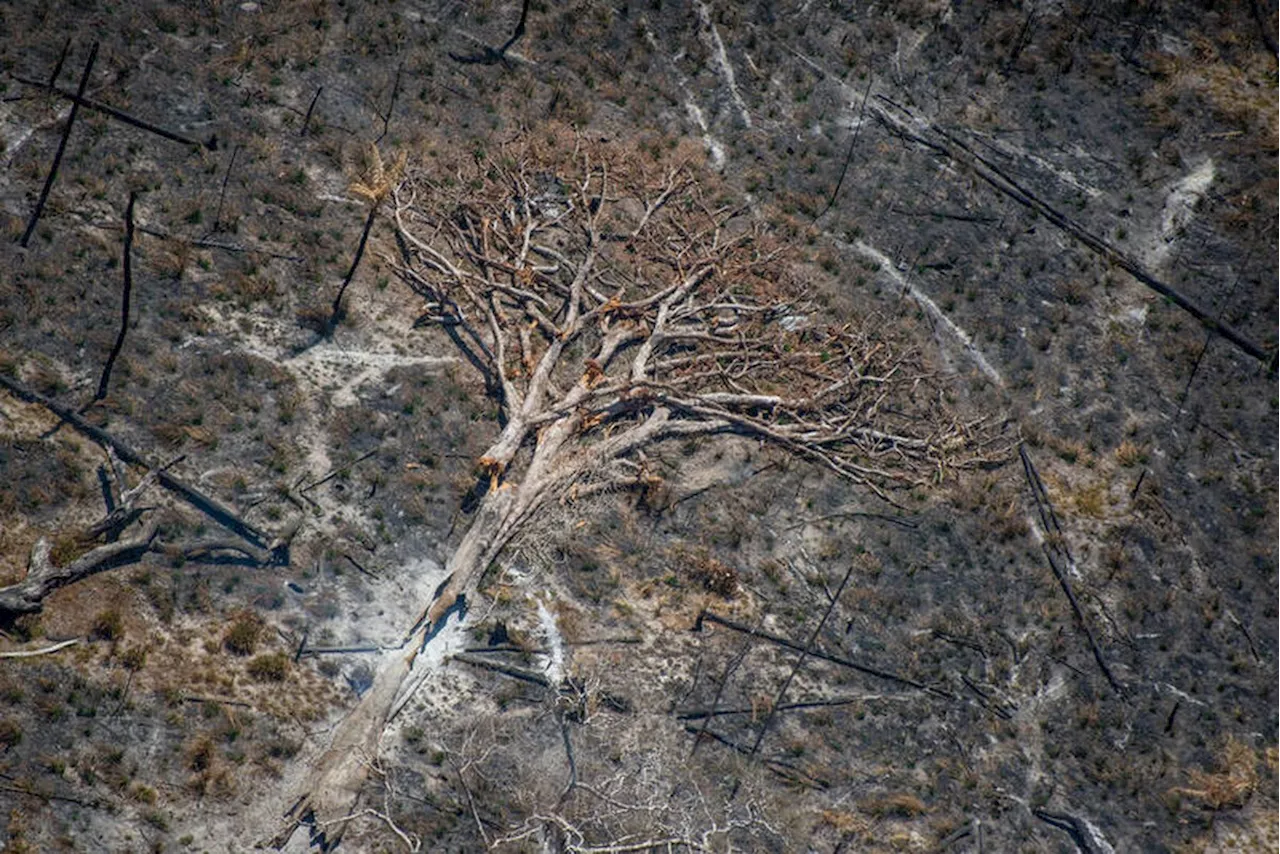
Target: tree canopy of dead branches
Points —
{"points": [[612, 299]]}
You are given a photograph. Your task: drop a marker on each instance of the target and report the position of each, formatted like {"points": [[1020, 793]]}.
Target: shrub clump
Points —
{"points": [[10, 733], [272, 667], [715, 576], [108, 625], [242, 637]]}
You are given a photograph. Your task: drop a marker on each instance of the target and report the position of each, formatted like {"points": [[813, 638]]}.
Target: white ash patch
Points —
{"points": [[1179, 209], [555, 644], [966, 341]]}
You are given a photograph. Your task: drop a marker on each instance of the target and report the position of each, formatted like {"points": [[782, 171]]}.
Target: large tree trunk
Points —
{"points": [[333, 786]]}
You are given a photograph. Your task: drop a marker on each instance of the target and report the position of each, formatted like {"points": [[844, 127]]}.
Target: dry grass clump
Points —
{"points": [[900, 805], [1091, 500], [242, 638], [107, 625], [272, 667], [1232, 784], [714, 575], [1129, 454], [1238, 93]]}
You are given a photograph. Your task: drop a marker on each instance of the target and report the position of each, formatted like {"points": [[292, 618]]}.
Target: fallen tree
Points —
{"points": [[613, 299], [79, 555]]}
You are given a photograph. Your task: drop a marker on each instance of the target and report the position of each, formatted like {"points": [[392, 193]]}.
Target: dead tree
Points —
{"points": [[611, 302], [374, 189]]}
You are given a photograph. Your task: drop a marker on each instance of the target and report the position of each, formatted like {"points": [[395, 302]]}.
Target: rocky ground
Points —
{"points": [[992, 675]]}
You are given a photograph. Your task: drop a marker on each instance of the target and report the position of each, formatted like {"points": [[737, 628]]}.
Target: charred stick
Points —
{"points": [[505, 670], [210, 506], [804, 653], [62, 58], [62, 147], [364, 238], [306, 121], [222, 195], [124, 303], [848, 156], [817, 653]]}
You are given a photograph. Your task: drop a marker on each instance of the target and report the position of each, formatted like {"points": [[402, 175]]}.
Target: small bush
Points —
{"points": [[1129, 454], [272, 667], [108, 625], [715, 576], [201, 755], [242, 637], [134, 658], [10, 733], [898, 805], [1232, 784]]}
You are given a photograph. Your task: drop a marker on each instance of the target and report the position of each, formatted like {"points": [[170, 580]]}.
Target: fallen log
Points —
{"points": [[949, 146], [707, 616]]}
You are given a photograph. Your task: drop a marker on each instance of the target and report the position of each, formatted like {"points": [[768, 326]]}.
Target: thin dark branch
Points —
{"points": [[62, 58], [124, 300], [696, 714], [804, 653], [210, 506], [1048, 518], [386, 118], [728, 671], [504, 669], [489, 56], [708, 616], [1051, 551], [519, 30], [335, 472], [568, 752], [222, 194], [954, 149], [785, 770], [306, 121], [213, 244], [853, 140], [62, 147]]}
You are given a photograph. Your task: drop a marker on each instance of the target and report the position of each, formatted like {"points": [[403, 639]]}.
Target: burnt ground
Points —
{"points": [[988, 722]]}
